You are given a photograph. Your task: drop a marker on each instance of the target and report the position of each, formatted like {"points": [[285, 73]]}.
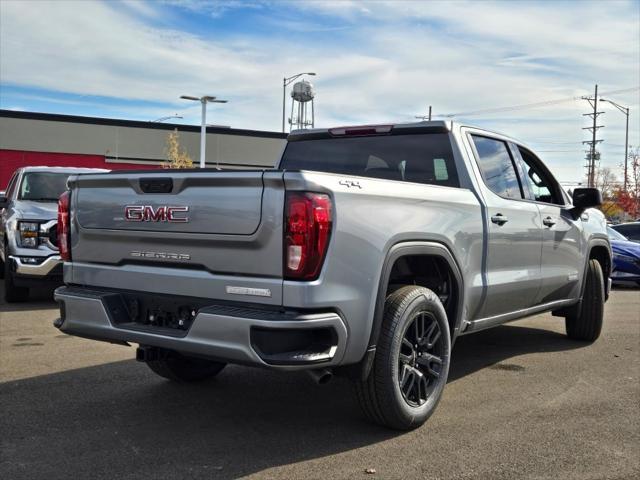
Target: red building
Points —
{"points": [[28, 138]]}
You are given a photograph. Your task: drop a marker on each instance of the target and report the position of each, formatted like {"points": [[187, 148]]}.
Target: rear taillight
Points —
{"points": [[63, 227], [307, 230]]}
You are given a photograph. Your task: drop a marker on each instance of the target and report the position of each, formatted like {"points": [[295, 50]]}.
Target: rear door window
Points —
{"points": [[497, 167], [418, 158]]}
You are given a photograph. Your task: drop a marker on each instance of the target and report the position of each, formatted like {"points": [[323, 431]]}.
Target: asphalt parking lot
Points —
{"points": [[522, 401]]}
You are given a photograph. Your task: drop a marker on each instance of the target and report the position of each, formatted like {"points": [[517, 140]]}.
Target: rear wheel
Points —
{"points": [[586, 325], [411, 362], [180, 368], [12, 293]]}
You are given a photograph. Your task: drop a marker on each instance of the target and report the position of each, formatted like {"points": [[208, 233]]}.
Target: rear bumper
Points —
{"points": [[243, 335]]}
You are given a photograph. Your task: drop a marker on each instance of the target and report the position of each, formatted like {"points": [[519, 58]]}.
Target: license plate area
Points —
{"points": [[172, 316]]}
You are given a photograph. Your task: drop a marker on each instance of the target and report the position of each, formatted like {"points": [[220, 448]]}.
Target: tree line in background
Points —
{"points": [[618, 204]]}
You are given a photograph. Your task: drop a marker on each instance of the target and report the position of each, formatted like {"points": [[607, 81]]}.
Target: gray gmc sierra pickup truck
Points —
{"points": [[365, 253]]}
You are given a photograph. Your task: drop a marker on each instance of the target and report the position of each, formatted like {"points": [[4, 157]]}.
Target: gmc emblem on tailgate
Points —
{"points": [[147, 213]]}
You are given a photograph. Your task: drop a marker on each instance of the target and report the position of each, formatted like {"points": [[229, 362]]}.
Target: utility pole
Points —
{"points": [[425, 117], [593, 155]]}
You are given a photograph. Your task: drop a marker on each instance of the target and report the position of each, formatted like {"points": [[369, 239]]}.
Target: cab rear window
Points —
{"points": [[418, 158]]}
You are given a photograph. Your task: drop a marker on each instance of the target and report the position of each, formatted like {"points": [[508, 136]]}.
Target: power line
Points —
{"points": [[531, 105], [554, 143], [559, 151]]}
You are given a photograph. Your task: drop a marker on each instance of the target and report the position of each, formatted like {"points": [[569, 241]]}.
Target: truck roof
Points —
{"points": [[441, 125], [433, 126]]}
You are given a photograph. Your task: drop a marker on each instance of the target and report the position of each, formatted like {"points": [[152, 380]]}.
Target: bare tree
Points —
{"points": [[606, 181], [176, 157]]}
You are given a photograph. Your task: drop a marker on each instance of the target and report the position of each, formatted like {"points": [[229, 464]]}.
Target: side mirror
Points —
{"points": [[3, 201], [584, 198]]}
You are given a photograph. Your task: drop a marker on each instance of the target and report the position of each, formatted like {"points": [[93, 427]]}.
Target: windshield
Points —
{"points": [[42, 186], [613, 235]]}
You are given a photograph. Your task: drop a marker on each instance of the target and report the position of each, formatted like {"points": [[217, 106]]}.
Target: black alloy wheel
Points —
{"points": [[420, 358]]}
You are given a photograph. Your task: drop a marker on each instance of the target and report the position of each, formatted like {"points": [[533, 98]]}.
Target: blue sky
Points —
{"points": [[383, 61]]}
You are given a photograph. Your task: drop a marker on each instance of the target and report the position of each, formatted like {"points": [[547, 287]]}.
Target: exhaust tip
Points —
{"points": [[321, 376]]}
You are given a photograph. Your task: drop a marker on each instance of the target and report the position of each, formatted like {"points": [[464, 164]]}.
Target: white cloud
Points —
{"points": [[215, 8], [393, 60]]}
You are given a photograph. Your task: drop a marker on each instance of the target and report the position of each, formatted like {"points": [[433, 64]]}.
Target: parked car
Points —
{"points": [[626, 258], [629, 230], [366, 253], [28, 236]]}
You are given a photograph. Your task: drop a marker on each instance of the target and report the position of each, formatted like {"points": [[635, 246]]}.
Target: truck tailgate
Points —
{"points": [[222, 202], [167, 223]]}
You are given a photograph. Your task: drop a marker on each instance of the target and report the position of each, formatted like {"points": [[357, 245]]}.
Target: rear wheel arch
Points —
{"points": [[404, 252]]}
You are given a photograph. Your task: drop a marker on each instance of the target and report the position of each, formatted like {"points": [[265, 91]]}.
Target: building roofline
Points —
{"points": [[115, 122], [44, 168]]}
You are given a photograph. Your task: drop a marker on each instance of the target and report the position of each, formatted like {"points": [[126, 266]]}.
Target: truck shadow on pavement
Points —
{"points": [[120, 420], [39, 299]]}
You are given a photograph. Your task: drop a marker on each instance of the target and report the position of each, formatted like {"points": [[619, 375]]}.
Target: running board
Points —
{"points": [[488, 322]]}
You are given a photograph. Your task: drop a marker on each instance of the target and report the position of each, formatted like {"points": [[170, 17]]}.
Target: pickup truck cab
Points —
{"points": [[28, 216], [366, 253]]}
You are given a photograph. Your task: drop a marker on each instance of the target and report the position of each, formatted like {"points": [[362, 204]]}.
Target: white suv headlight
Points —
{"points": [[28, 237]]}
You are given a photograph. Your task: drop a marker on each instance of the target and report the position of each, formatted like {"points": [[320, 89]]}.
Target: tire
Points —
{"points": [[412, 315], [586, 324], [12, 293], [181, 368]]}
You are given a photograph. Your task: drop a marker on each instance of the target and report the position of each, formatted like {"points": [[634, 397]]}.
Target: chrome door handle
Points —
{"points": [[499, 219], [549, 222]]}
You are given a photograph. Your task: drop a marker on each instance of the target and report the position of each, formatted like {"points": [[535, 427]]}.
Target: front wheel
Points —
{"points": [[587, 324], [411, 362], [181, 368]]}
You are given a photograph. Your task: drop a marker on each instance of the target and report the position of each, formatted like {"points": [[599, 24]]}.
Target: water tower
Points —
{"points": [[302, 95]]}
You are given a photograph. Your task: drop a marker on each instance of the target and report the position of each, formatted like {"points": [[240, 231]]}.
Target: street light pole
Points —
{"points": [[285, 82], [625, 111], [284, 97], [203, 126], [203, 134]]}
